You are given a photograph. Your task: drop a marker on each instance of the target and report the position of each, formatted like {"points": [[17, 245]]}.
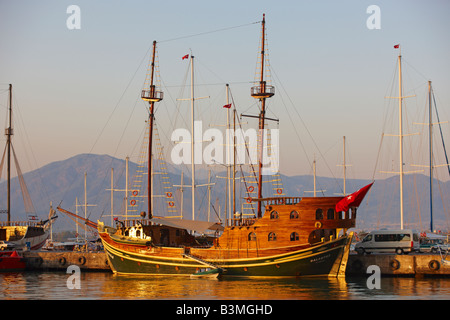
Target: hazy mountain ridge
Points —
{"points": [[62, 181]]}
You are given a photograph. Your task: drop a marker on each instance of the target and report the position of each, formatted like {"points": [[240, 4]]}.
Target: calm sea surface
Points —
{"points": [[106, 286]]}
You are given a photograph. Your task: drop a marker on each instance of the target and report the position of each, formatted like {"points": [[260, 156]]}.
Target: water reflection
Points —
{"points": [[224, 289], [97, 286]]}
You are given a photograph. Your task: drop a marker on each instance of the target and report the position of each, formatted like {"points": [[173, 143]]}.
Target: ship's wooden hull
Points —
{"points": [[319, 260]]}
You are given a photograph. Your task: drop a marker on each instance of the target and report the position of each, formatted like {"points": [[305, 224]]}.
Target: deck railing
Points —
{"points": [[18, 223]]}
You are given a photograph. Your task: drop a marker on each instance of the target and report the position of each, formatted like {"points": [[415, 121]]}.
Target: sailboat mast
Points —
{"points": [[262, 92], [151, 95], [193, 139], [430, 115], [150, 138], [234, 160], [345, 169], [228, 180], [261, 120], [85, 204], [9, 133], [400, 117]]}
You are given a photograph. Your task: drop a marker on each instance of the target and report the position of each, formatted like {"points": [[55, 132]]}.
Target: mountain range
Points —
{"points": [[62, 182]]}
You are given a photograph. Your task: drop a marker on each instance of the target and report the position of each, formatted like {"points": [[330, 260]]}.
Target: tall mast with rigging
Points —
{"points": [[262, 92], [9, 133], [430, 136], [400, 129], [151, 95], [400, 117], [193, 142]]}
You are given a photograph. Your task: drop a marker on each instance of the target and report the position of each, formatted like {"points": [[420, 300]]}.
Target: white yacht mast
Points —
{"points": [[400, 120]]}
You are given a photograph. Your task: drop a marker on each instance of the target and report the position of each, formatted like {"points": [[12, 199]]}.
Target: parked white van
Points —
{"points": [[389, 241]]}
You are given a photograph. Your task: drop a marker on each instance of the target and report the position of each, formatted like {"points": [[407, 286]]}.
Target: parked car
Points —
{"points": [[5, 245], [430, 242], [389, 241], [440, 248]]}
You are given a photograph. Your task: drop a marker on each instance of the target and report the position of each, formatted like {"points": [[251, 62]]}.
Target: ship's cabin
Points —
{"points": [[286, 221]]}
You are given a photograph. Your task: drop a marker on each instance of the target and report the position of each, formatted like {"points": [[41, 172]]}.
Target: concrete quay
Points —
{"points": [[60, 260], [413, 265]]}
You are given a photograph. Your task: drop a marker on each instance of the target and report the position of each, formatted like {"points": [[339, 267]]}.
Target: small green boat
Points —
{"points": [[209, 273]]}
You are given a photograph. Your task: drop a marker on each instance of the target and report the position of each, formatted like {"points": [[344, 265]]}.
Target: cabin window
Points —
{"points": [[294, 236], [294, 215], [272, 236], [319, 214], [353, 213], [330, 214], [274, 215], [252, 236]]}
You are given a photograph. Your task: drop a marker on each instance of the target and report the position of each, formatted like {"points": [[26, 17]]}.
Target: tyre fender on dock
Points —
{"points": [[434, 265], [82, 260], [394, 264]]}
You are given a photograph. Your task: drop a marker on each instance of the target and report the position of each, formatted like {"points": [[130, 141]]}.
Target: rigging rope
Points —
{"points": [[442, 136], [208, 32]]}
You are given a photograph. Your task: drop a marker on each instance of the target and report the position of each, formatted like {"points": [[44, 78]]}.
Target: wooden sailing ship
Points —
{"points": [[32, 233], [289, 236]]}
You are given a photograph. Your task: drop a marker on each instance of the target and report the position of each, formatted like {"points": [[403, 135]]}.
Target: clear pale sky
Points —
{"points": [[77, 91]]}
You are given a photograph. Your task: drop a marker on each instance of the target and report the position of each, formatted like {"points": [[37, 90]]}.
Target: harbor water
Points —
{"points": [[39, 285]]}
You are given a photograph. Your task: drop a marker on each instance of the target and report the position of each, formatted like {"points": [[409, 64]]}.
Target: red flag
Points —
{"points": [[228, 106], [353, 200], [397, 46], [185, 57]]}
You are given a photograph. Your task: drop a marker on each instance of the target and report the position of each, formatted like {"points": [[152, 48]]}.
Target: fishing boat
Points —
{"points": [[11, 262], [32, 233], [286, 237]]}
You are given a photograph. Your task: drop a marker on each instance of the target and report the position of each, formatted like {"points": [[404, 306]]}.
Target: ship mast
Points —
{"points": [[151, 95], [430, 116], [262, 92], [400, 117], [9, 133]]}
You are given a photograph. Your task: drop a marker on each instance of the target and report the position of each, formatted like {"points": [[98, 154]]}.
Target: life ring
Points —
{"points": [[318, 225], [62, 261], [394, 264], [279, 191], [249, 200], [169, 194], [135, 193], [171, 204], [251, 188], [133, 202], [39, 261], [434, 265], [82, 260]]}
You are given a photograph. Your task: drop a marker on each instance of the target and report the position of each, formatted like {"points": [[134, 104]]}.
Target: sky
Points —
{"points": [[77, 90]]}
